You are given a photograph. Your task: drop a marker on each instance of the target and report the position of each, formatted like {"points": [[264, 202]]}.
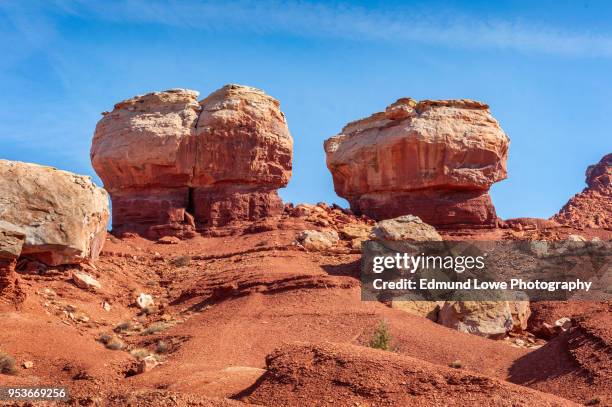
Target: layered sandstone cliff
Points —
{"points": [[592, 208], [174, 165], [433, 159], [63, 215]]}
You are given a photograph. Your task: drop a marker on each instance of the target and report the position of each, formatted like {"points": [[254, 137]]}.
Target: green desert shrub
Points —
{"points": [[381, 338]]}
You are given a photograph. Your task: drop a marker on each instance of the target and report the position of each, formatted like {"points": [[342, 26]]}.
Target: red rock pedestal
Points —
{"points": [[433, 159], [217, 207], [174, 165], [154, 212], [442, 208]]}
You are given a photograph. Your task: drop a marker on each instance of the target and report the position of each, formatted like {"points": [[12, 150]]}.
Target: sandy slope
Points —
{"points": [[238, 300]]}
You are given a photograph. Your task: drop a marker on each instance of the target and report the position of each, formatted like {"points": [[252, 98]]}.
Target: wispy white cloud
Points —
{"points": [[347, 22]]}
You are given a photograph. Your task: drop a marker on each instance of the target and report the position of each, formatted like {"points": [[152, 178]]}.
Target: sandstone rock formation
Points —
{"points": [[404, 228], [422, 308], [592, 208], [492, 319], [433, 159], [173, 165], [63, 215], [396, 235], [393, 236]]}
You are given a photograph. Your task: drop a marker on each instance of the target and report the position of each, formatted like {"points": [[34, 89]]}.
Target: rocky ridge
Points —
{"points": [[593, 206]]}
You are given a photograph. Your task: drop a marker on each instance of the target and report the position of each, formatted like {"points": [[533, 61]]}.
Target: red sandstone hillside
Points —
{"points": [[239, 299], [211, 292], [349, 375]]}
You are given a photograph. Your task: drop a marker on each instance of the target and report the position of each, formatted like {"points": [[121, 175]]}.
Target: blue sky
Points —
{"points": [[544, 67]]}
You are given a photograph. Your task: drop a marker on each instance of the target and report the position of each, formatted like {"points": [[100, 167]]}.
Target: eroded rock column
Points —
{"points": [[433, 159], [244, 153], [144, 151], [174, 165]]}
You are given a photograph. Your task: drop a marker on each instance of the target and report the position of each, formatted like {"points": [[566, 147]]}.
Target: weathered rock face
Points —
{"points": [[393, 236], [433, 159], [63, 215], [404, 228], [593, 206], [173, 165], [492, 319], [315, 240]]}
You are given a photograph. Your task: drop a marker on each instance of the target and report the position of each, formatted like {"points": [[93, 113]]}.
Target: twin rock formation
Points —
{"points": [[173, 165]]}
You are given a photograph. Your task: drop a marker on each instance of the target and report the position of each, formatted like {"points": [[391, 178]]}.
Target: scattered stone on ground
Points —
{"points": [[85, 281], [317, 240]]}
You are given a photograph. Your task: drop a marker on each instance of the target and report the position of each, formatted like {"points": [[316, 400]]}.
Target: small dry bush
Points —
{"points": [[457, 364], [155, 328], [162, 347], [124, 326], [7, 364], [140, 353], [181, 261], [111, 342]]}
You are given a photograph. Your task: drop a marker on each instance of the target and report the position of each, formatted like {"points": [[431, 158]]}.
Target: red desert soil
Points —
{"points": [[346, 375], [225, 303], [581, 357]]}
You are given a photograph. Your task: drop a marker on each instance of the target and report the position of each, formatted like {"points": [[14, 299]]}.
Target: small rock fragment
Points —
{"points": [[564, 323], [147, 364], [317, 241], [145, 301], [85, 281], [169, 240], [28, 364]]}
